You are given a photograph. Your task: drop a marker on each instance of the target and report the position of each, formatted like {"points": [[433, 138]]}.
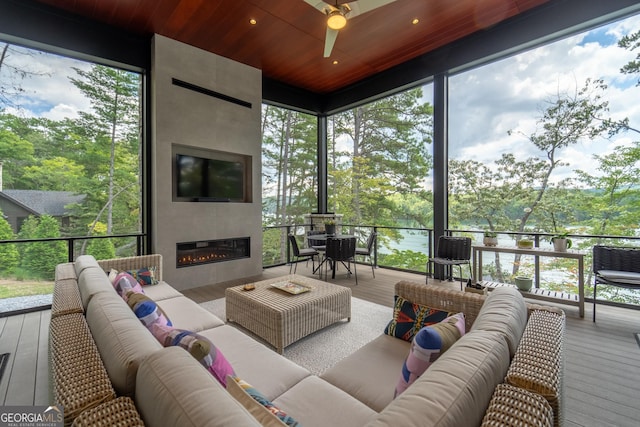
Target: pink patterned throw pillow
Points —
{"points": [[201, 348], [428, 344], [124, 283]]}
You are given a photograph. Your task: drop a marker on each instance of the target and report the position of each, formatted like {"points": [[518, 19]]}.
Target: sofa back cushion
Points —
{"points": [[456, 389], [173, 389], [93, 280], [504, 311], [84, 261], [123, 342]]}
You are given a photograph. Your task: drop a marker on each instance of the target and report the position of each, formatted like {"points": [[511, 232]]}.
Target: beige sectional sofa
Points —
{"points": [[107, 368]]}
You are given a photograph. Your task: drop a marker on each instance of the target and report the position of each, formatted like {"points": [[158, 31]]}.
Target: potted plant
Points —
{"points": [[525, 243], [561, 242], [490, 238], [524, 283], [330, 226]]}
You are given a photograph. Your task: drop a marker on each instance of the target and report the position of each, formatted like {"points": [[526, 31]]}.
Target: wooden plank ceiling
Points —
{"points": [[287, 40]]}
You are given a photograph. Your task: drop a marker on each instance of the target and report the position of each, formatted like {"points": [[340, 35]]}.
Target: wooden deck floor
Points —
{"points": [[602, 377]]}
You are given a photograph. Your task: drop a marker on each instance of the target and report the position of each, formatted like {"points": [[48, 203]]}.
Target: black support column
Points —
{"points": [[440, 157], [322, 164]]}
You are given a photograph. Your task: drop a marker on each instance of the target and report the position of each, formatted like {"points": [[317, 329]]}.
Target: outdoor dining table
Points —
{"points": [[324, 237]]}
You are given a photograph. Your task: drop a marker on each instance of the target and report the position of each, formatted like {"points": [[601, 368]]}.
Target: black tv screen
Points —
{"points": [[202, 179]]}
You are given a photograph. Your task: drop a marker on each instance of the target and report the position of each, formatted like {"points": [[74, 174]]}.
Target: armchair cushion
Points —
{"points": [[627, 277]]}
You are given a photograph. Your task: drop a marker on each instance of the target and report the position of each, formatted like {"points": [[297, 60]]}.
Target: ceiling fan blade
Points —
{"points": [[359, 7], [329, 41], [317, 4]]}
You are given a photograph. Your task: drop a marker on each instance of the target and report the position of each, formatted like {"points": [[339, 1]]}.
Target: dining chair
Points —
{"points": [[298, 254], [452, 251], [368, 251], [340, 250]]}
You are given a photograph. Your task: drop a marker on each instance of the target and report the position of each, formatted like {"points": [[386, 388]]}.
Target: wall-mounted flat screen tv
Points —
{"points": [[210, 179]]}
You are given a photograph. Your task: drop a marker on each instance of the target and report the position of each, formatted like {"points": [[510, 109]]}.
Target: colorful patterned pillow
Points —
{"points": [[146, 276], [428, 344], [124, 283], [263, 410], [201, 348], [146, 310], [409, 318]]}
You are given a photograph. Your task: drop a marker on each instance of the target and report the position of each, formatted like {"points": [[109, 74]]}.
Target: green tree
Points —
{"points": [[9, 255], [613, 204], [40, 258], [55, 174], [378, 150], [113, 127], [15, 154], [631, 42], [101, 248]]}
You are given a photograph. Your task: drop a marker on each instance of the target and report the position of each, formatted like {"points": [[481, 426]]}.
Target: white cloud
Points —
{"points": [[508, 95], [48, 92]]}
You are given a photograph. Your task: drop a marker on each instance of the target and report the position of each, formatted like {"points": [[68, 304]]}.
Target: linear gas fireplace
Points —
{"points": [[207, 251]]}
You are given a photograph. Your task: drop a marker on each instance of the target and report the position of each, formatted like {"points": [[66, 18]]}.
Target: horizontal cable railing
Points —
{"points": [[28, 265], [397, 248]]}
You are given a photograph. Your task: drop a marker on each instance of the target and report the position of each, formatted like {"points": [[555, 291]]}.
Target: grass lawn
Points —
{"points": [[15, 288]]}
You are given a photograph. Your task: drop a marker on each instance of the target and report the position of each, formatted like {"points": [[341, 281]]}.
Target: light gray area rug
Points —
{"points": [[323, 349]]}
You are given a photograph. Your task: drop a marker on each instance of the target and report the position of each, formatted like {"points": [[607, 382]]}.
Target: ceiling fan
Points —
{"points": [[338, 14]]}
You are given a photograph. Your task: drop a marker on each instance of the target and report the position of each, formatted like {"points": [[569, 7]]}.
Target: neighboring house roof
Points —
{"points": [[43, 202]]}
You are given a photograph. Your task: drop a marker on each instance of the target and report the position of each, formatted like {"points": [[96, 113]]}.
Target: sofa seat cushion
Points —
{"points": [[314, 402], [504, 311], [122, 340], [371, 373], [262, 409], [161, 291], [173, 389], [186, 314], [256, 363], [455, 391]]}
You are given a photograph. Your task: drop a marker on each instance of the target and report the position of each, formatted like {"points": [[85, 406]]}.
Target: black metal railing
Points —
{"points": [[73, 245]]}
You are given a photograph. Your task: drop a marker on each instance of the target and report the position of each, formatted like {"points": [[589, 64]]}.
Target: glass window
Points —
{"points": [[380, 169], [70, 147], [545, 143]]}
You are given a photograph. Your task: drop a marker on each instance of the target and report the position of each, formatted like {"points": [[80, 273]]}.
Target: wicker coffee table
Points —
{"points": [[281, 318]]}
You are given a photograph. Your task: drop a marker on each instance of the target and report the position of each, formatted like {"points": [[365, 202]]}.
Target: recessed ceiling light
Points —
{"points": [[252, 21], [415, 21], [335, 62]]}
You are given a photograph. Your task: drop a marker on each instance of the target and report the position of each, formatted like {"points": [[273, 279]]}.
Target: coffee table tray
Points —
{"points": [[291, 287]]}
